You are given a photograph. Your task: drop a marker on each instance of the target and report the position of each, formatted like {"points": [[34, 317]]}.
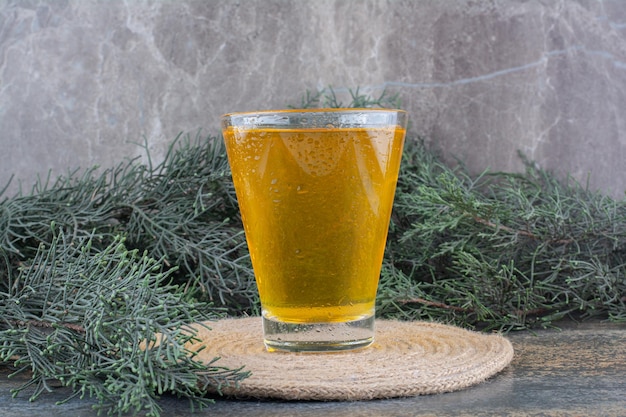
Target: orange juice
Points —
{"points": [[316, 205]]}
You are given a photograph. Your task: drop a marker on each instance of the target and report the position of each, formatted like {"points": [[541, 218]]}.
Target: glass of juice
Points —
{"points": [[315, 189]]}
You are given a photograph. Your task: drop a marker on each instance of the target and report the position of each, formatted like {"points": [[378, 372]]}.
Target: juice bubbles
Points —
{"points": [[316, 204]]}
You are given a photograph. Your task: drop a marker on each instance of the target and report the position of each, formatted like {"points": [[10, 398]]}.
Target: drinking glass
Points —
{"points": [[315, 189]]}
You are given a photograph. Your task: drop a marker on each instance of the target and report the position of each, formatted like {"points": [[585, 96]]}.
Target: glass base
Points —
{"points": [[318, 337]]}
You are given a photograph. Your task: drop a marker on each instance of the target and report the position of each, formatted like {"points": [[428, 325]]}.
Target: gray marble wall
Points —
{"points": [[82, 82]]}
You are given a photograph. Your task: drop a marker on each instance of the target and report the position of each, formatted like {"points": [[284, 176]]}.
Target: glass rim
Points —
{"points": [[316, 110], [316, 117]]}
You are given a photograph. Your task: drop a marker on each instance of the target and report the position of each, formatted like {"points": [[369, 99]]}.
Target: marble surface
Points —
{"points": [[83, 82]]}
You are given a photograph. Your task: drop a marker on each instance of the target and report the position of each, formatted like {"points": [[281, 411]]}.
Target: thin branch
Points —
{"points": [[429, 303], [525, 233], [45, 324]]}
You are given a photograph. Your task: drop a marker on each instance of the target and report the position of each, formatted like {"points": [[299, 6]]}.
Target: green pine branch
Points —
{"points": [[95, 265], [83, 316], [501, 250]]}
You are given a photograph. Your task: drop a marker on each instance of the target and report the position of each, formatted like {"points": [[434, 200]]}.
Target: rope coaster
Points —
{"points": [[406, 359]]}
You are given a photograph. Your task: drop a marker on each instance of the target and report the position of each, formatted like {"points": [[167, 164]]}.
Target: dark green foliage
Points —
{"points": [[182, 211], [92, 266], [501, 250], [83, 317]]}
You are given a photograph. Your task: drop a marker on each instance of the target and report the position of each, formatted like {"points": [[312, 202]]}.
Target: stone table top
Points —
{"points": [[578, 370]]}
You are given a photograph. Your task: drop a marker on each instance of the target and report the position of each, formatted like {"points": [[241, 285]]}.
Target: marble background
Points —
{"points": [[82, 81]]}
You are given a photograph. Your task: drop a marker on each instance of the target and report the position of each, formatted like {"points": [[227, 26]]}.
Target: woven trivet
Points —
{"points": [[406, 359]]}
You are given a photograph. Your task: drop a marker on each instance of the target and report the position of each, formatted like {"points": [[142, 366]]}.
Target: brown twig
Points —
{"points": [[432, 304], [503, 227], [525, 233], [532, 312], [46, 325]]}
